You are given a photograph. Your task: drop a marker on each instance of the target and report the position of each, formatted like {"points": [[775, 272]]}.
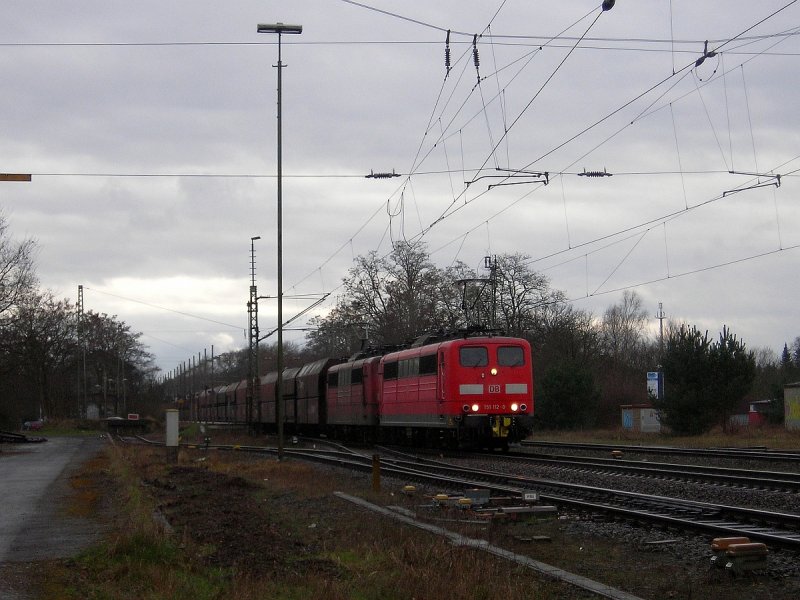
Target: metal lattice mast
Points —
{"points": [[252, 355], [82, 341], [491, 264]]}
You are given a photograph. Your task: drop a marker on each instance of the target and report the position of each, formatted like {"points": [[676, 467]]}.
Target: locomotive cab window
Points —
{"points": [[474, 356], [333, 379], [510, 356], [390, 370], [427, 364]]}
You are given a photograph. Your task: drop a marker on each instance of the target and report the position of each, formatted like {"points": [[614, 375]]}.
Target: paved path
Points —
{"points": [[34, 481]]}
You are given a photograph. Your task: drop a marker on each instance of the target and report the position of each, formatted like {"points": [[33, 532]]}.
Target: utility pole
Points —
{"points": [[212, 366], [660, 317], [82, 342]]}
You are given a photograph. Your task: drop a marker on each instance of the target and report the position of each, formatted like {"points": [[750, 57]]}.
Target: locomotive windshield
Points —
{"points": [[474, 356], [510, 356]]}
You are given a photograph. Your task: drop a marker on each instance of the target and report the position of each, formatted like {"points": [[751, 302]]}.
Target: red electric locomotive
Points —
{"points": [[472, 390]]}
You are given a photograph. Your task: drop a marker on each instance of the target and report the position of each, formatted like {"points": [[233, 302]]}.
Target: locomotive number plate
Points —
{"points": [[494, 389]]}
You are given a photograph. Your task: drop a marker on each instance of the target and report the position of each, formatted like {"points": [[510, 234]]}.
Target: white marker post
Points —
{"points": [[172, 435]]}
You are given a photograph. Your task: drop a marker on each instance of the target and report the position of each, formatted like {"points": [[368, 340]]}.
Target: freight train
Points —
{"points": [[469, 390]]}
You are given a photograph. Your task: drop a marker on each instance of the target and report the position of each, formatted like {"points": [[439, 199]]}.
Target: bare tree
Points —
{"points": [[521, 293], [17, 275], [394, 297], [413, 306], [624, 329]]}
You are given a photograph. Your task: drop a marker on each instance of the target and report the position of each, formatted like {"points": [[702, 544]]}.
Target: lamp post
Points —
{"points": [[280, 29]]}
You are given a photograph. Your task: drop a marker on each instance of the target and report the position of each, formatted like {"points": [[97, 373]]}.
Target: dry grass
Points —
{"points": [[87, 492]]}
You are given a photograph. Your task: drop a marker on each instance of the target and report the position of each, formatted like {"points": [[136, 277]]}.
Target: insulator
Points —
{"points": [[475, 56], [602, 173], [373, 175], [447, 52], [608, 4]]}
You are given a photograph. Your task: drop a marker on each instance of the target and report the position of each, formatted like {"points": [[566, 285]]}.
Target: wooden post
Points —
{"points": [[376, 472]]}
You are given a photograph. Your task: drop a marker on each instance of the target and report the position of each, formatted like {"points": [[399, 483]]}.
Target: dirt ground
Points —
{"points": [[228, 522]]}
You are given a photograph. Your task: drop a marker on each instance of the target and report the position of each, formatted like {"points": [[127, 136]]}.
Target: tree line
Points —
{"points": [[56, 363]]}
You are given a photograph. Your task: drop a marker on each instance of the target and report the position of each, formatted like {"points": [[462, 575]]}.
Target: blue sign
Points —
{"points": [[655, 384]]}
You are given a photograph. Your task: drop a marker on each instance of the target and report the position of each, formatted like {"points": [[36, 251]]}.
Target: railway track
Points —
{"points": [[765, 480], [775, 528], [788, 456], [9, 437], [717, 520]]}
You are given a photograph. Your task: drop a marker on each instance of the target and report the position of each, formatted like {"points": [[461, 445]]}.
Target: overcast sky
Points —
{"points": [[150, 131]]}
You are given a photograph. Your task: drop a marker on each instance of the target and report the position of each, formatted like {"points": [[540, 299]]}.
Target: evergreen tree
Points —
{"points": [[732, 377], [568, 398], [685, 407], [703, 381]]}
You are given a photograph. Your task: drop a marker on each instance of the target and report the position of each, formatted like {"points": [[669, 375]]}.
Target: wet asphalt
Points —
{"points": [[34, 522]]}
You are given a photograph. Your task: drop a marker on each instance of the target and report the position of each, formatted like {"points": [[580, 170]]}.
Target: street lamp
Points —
{"points": [[280, 29]]}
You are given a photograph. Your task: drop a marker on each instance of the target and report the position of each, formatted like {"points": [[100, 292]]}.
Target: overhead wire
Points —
{"points": [[686, 68], [693, 271], [431, 118], [164, 308], [645, 224], [493, 38], [463, 238], [446, 213], [497, 39]]}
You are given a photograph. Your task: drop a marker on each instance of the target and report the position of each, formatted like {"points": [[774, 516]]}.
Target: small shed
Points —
{"points": [[640, 418], [791, 405]]}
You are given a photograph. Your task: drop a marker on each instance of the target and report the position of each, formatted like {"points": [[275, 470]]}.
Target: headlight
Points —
{"points": [[514, 407], [475, 408], [493, 371]]}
